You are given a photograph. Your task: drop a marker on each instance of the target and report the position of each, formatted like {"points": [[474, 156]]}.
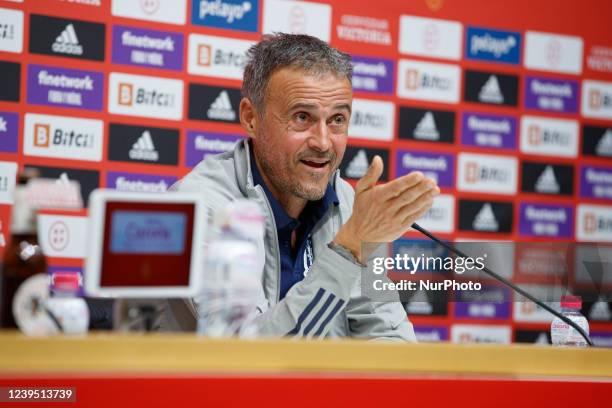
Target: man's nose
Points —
{"points": [[320, 137]]}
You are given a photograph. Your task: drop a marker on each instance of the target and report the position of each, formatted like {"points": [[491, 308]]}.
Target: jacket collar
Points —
{"points": [[244, 175]]}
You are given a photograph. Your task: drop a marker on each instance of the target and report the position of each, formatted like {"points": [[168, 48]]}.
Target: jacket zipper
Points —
{"points": [[275, 234]]}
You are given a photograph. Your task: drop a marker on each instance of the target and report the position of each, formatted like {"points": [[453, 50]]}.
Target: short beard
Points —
{"points": [[282, 183]]}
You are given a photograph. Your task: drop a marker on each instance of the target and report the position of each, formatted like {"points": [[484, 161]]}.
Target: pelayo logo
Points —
{"points": [[239, 15], [493, 45]]}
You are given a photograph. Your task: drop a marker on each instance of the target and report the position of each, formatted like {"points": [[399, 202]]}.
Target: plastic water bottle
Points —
{"points": [[563, 334], [232, 271]]}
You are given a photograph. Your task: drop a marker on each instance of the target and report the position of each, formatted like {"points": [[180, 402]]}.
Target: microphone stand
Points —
{"points": [[508, 283]]}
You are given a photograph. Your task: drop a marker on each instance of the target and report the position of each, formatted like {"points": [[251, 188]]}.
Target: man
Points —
{"points": [[296, 110]]}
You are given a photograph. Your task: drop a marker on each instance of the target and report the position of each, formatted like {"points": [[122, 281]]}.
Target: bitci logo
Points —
{"points": [[204, 52], [146, 96], [125, 94], [42, 135]]}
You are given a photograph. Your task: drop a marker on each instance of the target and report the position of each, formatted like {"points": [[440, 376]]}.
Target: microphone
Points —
{"points": [[507, 283]]}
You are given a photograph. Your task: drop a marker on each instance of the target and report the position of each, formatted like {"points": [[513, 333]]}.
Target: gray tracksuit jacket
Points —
{"points": [[328, 301]]}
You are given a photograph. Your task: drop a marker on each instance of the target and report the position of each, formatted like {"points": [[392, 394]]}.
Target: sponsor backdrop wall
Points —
{"points": [[508, 105]]}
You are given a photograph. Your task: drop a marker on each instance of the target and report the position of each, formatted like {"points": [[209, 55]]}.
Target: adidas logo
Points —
{"points": [[426, 128], [485, 219], [221, 108], [600, 311], [604, 147], [547, 183], [490, 92], [67, 42], [144, 149], [358, 166], [2, 125]]}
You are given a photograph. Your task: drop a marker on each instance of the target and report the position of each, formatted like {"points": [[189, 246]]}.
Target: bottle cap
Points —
{"points": [[571, 302]]}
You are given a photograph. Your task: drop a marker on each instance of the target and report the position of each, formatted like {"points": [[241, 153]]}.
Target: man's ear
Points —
{"points": [[248, 116]]}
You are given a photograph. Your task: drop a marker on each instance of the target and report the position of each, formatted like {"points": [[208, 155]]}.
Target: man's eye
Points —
{"points": [[339, 120], [301, 117]]}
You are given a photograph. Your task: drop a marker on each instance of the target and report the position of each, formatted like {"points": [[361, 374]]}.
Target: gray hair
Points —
{"points": [[281, 50]]}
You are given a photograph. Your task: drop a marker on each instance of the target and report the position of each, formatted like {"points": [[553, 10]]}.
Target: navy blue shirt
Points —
{"points": [[296, 262]]}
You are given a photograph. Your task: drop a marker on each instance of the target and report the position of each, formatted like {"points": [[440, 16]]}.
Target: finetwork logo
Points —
{"points": [[551, 94], [439, 167], [372, 74], [428, 81], [65, 87], [144, 183], [230, 14], [144, 149], [427, 125], [202, 144], [63, 137], [546, 220], [493, 45], [149, 48], [488, 130], [549, 137], [596, 182]]}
